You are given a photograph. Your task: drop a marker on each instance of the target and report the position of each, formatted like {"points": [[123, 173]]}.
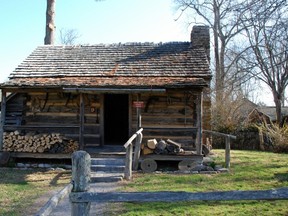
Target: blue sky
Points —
{"points": [[110, 21]]}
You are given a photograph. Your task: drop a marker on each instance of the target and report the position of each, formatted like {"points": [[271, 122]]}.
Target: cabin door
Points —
{"points": [[116, 119]]}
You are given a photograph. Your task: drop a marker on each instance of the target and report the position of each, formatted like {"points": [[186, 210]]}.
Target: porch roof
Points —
{"points": [[169, 65], [108, 82]]}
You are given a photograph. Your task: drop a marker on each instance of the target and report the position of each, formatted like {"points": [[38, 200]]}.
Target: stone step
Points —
{"points": [[108, 161], [107, 168], [106, 177]]}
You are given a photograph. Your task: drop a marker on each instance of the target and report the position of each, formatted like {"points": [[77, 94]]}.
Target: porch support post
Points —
{"points": [[138, 112], [199, 123], [3, 114], [81, 128], [101, 120]]}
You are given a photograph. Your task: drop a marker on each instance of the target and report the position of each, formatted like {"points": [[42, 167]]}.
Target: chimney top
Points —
{"points": [[200, 37]]}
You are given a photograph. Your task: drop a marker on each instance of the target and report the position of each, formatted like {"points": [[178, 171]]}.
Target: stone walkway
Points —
{"points": [[64, 207]]}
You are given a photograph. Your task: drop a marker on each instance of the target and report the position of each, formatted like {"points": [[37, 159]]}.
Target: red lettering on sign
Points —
{"points": [[138, 104]]}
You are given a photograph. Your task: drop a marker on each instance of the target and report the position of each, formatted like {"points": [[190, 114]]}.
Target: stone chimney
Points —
{"points": [[200, 37]]}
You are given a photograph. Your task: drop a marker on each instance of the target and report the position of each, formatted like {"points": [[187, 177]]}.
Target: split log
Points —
{"points": [[173, 147], [151, 143], [161, 145], [173, 143], [146, 151]]}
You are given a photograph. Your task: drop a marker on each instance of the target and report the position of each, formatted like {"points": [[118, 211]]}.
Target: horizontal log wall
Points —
{"points": [[14, 109], [168, 116], [164, 115], [59, 113]]}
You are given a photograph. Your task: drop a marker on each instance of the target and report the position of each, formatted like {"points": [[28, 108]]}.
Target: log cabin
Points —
{"points": [[98, 95]]}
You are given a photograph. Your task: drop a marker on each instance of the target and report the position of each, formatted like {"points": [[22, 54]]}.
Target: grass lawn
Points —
{"points": [[20, 188], [250, 170]]}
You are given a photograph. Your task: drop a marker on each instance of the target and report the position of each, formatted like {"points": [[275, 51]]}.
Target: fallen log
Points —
{"points": [[166, 196]]}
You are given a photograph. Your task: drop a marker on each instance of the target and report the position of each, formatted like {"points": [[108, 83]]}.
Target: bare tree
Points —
{"points": [[69, 36], [264, 23], [224, 18], [50, 22], [266, 27]]}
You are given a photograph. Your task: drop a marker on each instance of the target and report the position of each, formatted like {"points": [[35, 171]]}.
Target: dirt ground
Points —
{"points": [[37, 205], [64, 207]]}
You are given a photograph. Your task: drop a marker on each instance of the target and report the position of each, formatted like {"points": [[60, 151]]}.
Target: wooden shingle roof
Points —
{"points": [[114, 65]]}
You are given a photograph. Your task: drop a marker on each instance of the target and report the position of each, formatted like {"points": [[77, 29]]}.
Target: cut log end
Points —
{"points": [[148, 165], [151, 143], [187, 165]]}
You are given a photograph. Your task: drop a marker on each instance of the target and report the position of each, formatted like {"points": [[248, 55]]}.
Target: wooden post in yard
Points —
{"points": [[3, 114], [81, 163], [228, 138], [227, 151]]}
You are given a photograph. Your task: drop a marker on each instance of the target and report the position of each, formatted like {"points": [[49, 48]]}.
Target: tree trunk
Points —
{"points": [[50, 24], [278, 105], [219, 60]]}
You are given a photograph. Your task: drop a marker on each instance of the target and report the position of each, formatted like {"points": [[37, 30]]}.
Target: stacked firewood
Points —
{"points": [[38, 143], [161, 147]]}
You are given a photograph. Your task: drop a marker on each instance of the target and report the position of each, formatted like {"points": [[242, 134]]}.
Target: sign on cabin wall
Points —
{"points": [[138, 104]]}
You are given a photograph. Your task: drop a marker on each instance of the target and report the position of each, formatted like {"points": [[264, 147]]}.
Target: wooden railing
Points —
{"points": [[129, 153], [81, 199], [228, 138]]}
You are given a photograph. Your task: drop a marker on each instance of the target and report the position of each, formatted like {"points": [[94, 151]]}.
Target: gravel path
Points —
{"points": [[64, 206]]}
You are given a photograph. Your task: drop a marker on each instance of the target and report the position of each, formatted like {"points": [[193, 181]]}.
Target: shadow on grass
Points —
{"points": [[14, 176], [55, 180], [18, 176], [281, 177]]}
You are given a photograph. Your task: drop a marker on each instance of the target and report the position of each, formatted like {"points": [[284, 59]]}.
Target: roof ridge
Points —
{"points": [[118, 44]]}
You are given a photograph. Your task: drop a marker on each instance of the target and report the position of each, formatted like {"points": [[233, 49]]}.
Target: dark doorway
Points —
{"points": [[116, 115]]}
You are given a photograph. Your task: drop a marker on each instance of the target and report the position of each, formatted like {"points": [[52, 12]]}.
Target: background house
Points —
{"points": [[267, 114]]}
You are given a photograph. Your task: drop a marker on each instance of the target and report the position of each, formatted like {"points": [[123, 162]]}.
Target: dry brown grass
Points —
{"points": [[21, 189]]}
